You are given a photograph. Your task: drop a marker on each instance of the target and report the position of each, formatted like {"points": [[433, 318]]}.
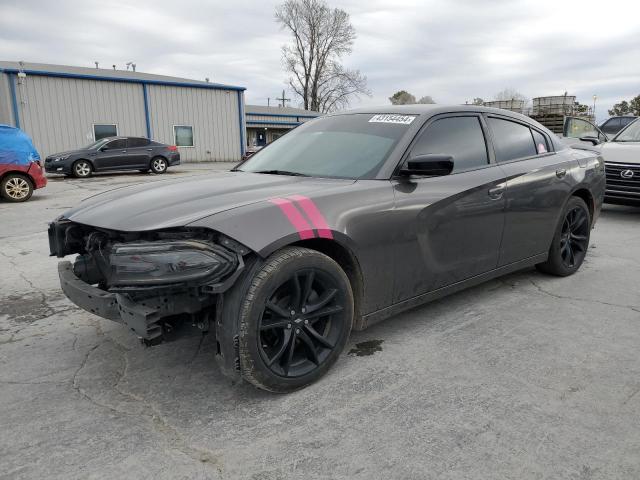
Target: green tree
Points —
{"points": [[634, 105], [580, 108], [621, 108], [478, 101], [402, 97], [427, 99]]}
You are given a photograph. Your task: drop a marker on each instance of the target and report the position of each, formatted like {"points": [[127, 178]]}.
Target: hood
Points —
{"points": [[621, 152], [176, 203], [70, 152]]}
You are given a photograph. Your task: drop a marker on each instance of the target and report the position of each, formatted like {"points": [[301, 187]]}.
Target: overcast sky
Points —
{"points": [[451, 50]]}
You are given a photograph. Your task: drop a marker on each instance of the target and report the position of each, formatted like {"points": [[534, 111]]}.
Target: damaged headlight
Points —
{"points": [[168, 262]]}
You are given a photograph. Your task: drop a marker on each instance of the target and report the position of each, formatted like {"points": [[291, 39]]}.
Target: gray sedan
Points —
{"points": [[114, 153]]}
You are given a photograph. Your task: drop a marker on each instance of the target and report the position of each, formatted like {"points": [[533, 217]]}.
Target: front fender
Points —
{"points": [[357, 218], [266, 226]]}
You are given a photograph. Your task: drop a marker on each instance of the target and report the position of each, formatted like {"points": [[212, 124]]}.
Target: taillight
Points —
{"points": [[172, 148]]}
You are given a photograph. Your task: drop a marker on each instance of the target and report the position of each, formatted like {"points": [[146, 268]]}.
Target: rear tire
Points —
{"points": [[82, 169], [295, 316], [16, 188], [571, 240], [159, 165]]}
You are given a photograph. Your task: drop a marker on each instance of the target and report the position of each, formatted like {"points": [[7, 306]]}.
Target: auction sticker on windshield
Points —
{"points": [[391, 118]]}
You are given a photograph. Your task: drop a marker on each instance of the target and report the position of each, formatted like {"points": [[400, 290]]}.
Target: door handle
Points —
{"points": [[124, 151], [149, 149], [496, 193], [561, 172]]}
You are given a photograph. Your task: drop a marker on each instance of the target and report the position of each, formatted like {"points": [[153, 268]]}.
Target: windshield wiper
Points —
{"points": [[282, 172]]}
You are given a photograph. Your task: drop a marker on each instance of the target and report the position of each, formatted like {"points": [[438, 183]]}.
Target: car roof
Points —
{"points": [[434, 109], [430, 110], [120, 137]]}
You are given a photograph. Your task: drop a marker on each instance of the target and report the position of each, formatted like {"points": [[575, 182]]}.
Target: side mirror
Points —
{"points": [[104, 149], [594, 140], [432, 164]]}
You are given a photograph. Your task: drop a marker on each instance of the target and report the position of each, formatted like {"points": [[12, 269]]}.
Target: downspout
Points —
{"points": [[14, 100], [147, 117], [241, 123]]}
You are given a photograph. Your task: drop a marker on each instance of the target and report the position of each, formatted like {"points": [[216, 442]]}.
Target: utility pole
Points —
{"points": [[595, 97], [283, 99]]}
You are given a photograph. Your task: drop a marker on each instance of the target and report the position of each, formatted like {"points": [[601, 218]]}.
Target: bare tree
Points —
{"points": [[510, 94], [321, 38]]}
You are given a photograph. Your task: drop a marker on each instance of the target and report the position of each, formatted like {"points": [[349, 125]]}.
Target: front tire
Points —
{"points": [[159, 165], [16, 188], [571, 240], [82, 169], [295, 318]]}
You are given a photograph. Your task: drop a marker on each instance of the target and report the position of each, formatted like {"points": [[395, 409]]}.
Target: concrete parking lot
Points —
{"points": [[528, 376]]}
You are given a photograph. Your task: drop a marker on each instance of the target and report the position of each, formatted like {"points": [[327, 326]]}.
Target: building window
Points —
{"points": [[183, 135], [104, 130]]}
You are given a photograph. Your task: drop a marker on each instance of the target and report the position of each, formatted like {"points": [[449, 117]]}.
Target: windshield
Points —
{"points": [[96, 144], [342, 146], [629, 134]]}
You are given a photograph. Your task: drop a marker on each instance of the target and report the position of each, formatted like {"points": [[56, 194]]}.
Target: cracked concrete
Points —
{"points": [[527, 376]]}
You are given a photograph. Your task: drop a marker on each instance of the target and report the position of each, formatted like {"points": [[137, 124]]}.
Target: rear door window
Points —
{"points": [[137, 142], [460, 137], [511, 140], [542, 146]]}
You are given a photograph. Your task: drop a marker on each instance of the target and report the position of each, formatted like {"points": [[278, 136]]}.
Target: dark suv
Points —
{"points": [[613, 125], [114, 153]]}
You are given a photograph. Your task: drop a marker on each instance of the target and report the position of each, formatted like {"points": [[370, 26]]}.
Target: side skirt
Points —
{"points": [[383, 314]]}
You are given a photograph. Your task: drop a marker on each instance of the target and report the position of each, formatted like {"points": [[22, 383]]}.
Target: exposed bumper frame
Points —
{"points": [[142, 318], [88, 297]]}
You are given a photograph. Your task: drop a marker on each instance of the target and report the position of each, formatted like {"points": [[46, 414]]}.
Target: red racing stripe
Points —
{"points": [[316, 217], [295, 217]]}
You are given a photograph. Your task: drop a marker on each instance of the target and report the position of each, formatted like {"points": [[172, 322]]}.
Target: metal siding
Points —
{"points": [[59, 113], [213, 114], [6, 116]]}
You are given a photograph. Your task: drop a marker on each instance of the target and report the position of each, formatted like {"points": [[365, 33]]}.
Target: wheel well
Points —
{"points": [[348, 262], [80, 159], [585, 195], [159, 156], [18, 173]]}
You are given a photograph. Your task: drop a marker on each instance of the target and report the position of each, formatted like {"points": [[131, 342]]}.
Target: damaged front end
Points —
{"points": [[148, 281]]}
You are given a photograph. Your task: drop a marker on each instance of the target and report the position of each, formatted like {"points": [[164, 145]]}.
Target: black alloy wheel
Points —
{"points": [[571, 240], [301, 323], [294, 311], [574, 238]]}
